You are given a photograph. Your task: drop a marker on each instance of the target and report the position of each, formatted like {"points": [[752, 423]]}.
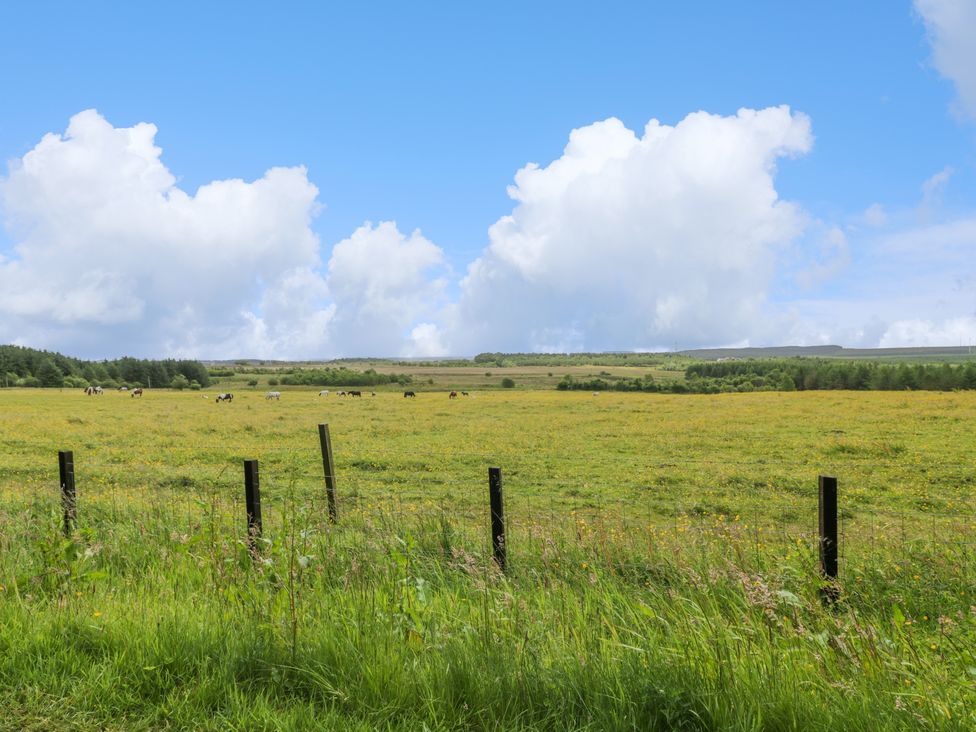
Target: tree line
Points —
{"points": [[21, 366], [798, 374]]}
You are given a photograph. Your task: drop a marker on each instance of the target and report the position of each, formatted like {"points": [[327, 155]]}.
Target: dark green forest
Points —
{"points": [[21, 366], [799, 374]]}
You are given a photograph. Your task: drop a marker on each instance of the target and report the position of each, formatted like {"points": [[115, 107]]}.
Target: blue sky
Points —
{"points": [[423, 113]]}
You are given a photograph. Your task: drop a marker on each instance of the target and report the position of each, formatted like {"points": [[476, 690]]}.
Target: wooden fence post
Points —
{"points": [[328, 467], [252, 499], [66, 468], [498, 544], [828, 536]]}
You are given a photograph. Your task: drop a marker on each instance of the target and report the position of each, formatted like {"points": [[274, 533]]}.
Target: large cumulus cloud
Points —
{"points": [[638, 241], [386, 285], [111, 256]]}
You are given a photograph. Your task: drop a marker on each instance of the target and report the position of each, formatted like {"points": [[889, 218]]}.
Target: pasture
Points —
{"points": [[662, 558]]}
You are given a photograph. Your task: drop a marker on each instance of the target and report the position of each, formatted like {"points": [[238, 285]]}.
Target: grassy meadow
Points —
{"points": [[662, 558]]}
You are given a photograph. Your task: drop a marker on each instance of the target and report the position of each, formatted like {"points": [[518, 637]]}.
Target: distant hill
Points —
{"points": [[929, 353]]}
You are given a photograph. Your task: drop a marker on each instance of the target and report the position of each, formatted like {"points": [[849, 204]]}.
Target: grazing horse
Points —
{"points": [[226, 397], [464, 393], [273, 395], [324, 392], [372, 393], [137, 392], [97, 390], [355, 393], [452, 395], [90, 390], [409, 394], [123, 388], [340, 393]]}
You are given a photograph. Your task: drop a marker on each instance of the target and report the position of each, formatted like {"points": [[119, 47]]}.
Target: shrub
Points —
{"points": [[179, 382], [273, 382], [253, 382], [195, 385], [508, 383]]}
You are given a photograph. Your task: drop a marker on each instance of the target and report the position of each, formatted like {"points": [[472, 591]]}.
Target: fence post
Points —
{"points": [[828, 536], [328, 467], [252, 499], [498, 544], [66, 468]]}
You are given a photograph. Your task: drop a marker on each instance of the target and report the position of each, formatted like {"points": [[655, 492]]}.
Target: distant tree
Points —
{"points": [[179, 382], [49, 375], [508, 383]]}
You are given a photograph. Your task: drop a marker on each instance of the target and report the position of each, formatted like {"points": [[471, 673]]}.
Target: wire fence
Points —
{"points": [[758, 509]]}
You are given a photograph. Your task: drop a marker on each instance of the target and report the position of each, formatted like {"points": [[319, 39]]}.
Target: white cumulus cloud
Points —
{"points": [[386, 285], [919, 332], [951, 26], [111, 256], [638, 241]]}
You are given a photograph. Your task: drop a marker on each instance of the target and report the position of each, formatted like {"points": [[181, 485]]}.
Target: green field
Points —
{"points": [[662, 562]]}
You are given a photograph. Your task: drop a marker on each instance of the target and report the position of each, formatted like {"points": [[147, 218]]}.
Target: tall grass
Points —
{"points": [[401, 621]]}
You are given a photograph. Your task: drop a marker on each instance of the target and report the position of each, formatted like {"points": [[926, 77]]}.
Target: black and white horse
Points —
{"points": [[225, 397]]}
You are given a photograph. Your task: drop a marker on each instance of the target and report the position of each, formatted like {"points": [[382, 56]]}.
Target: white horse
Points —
{"points": [[273, 395], [324, 392]]}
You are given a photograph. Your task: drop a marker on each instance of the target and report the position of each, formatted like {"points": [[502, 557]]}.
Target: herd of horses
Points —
{"points": [[98, 391], [276, 395]]}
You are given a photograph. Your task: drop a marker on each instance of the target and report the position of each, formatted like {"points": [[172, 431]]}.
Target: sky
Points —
{"points": [[312, 180]]}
